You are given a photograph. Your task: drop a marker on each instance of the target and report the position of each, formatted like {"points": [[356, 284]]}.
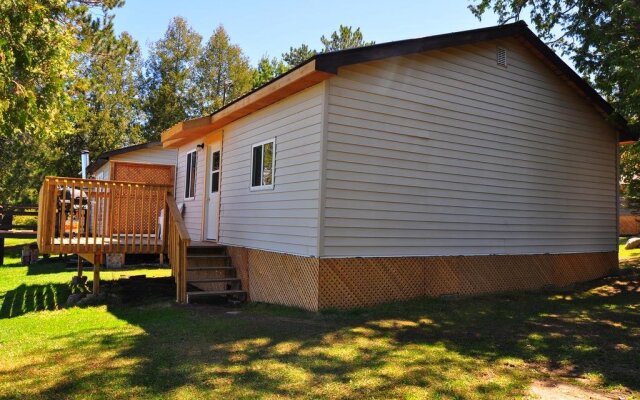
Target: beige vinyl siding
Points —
{"points": [[284, 219], [151, 155], [193, 212], [446, 153], [104, 172]]}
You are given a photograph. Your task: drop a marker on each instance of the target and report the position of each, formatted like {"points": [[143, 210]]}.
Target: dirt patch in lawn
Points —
{"points": [[551, 390]]}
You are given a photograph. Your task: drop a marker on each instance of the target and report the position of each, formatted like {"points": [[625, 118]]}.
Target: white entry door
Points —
{"points": [[213, 192]]}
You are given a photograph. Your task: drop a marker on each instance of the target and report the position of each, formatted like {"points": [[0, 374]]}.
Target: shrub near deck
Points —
{"points": [[486, 347]]}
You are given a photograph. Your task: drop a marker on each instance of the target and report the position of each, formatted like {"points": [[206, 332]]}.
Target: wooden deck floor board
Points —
{"points": [[114, 244]]}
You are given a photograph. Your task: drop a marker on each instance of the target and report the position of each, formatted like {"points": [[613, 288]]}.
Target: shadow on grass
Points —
{"points": [[31, 298], [139, 291], [25, 299], [42, 266], [47, 266], [481, 347], [37, 297]]}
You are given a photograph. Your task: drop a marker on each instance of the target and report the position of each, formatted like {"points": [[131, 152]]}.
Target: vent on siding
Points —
{"points": [[501, 57]]}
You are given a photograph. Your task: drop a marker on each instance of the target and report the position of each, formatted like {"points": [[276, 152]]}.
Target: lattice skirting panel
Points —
{"points": [[314, 284], [144, 173], [277, 278], [240, 260], [629, 225], [358, 282], [129, 216]]}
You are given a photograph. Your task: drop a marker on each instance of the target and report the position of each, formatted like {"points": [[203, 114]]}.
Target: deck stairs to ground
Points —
{"points": [[210, 273], [92, 218]]}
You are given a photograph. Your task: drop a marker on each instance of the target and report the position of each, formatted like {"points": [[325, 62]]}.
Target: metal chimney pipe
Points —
{"points": [[84, 159]]}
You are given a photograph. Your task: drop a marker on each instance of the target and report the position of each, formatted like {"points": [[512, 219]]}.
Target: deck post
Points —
{"points": [[1, 251], [96, 275], [79, 268]]}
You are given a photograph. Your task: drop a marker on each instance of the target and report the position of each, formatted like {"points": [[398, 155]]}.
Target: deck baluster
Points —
{"points": [[100, 217]]}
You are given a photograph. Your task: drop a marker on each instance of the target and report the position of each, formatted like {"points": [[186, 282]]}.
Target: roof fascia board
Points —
{"points": [[330, 62], [296, 80], [323, 66], [104, 157]]}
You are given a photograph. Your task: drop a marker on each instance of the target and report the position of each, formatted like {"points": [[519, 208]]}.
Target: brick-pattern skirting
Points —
{"points": [[314, 284]]}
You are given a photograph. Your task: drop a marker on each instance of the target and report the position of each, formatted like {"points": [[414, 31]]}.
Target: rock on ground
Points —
{"points": [[632, 243]]}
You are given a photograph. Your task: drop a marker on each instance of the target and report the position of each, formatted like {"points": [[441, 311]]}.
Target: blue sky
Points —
{"points": [[271, 27]]}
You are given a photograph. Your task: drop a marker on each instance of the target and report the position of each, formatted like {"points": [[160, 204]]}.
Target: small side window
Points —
{"points": [[190, 175], [262, 165], [215, 171]]}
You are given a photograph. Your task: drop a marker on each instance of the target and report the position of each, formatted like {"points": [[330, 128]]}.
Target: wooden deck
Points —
{"points": [[130, 240], [149, 244], [90, 216], [93, 218]]}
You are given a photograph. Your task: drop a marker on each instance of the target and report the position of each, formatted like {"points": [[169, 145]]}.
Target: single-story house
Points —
{"points": [[463, 163], [147, 163]]}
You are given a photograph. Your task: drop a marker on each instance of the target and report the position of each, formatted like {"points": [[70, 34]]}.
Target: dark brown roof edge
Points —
{"points": [[104, 157], [330, 62]]}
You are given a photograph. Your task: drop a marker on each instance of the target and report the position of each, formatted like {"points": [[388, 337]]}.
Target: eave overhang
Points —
{"points": [[292, 82], [324, 66]]}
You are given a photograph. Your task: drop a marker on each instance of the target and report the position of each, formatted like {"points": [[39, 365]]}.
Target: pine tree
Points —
{"points": [[223, 72], [106, 106], [267, 70], [344, 38], [168, 86], [298, 55], [42, 44]]}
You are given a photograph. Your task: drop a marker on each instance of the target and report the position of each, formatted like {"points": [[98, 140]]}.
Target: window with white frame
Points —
{"points": [[262, 164], [190, 179]]}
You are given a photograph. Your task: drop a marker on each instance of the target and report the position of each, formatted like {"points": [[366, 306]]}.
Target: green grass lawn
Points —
{"points": [[141, 345], [12, 242], [624, 254]]}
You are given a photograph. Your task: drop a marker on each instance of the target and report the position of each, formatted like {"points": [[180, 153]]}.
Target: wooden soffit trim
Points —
{"points": [[324, 65], [213, 137], [292, 82]]}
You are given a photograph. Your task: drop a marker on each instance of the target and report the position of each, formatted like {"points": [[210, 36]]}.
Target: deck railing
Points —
{"points": [[99, 217], [178, 241]]}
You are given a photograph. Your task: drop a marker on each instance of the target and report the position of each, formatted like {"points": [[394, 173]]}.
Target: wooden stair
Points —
{"points": [[210, 273]]}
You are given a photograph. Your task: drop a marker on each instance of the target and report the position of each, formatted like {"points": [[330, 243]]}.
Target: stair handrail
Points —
{"points": [[178, 240]]}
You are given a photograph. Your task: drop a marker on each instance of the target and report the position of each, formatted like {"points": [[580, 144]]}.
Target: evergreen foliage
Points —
{"points": [[68, 82]]}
